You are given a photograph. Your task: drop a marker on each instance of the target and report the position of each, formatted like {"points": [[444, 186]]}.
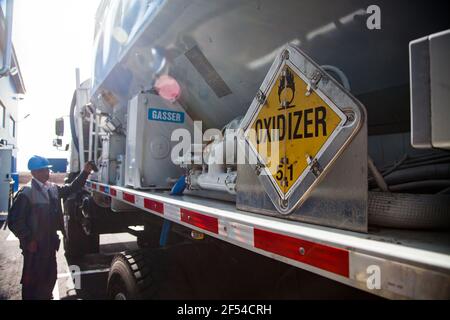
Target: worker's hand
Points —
{"points": [[89, 167], [32, 246]]}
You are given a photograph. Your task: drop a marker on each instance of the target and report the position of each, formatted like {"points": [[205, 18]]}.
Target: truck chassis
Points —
{"points": [[391, 264]]}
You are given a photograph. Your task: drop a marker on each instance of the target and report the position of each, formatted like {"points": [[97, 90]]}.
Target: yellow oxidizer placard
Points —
{"points": [[291, 127]]}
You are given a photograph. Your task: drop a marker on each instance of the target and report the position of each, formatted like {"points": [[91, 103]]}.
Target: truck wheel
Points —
{"points": [[128, 277], [76, 242]]}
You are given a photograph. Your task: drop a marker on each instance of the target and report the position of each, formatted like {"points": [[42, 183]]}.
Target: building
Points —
{"points": [[11, 89]]}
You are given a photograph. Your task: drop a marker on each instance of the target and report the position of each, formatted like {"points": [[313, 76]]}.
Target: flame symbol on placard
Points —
{"points": [[287, 82]]}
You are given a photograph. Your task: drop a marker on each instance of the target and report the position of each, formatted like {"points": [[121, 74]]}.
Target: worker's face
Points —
{"points": [[41, 175]]}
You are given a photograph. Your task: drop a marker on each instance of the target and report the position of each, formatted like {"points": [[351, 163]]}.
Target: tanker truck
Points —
{"points": [[260, 143]]}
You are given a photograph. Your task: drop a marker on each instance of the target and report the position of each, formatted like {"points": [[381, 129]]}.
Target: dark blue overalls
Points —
{"points": [[36, 215]]}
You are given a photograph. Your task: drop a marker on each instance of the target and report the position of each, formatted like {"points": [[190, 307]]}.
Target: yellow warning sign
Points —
{"points": [[291, 128]]}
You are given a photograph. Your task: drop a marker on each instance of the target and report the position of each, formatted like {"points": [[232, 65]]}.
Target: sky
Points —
{"points": [[51, 38]]}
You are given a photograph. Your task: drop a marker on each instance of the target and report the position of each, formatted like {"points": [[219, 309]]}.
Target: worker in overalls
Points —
{"points": [[34, 218]]}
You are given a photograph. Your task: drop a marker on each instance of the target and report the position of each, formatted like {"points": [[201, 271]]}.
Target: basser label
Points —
{"points": [[165, 115]]}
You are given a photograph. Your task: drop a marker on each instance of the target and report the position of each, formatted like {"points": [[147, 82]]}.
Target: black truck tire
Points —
{"points": [[128, 277], [155, 273], [76, 242], [166, 273]]}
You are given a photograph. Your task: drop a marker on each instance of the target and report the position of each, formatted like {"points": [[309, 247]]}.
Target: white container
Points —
{"points": [[150, 124]]}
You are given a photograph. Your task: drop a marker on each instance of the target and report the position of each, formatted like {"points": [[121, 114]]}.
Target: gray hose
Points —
{"points": [[445, 191], [396, 166], [424, 163], [425, 158], [406, 211], [420, 185], [417, 160], [429, 172]]}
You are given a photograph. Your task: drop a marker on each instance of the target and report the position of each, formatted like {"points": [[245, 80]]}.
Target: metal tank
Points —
{"points": [[220, 51]]}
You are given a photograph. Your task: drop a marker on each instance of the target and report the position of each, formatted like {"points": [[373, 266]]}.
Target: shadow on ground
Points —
{"points": [[93, 286]]}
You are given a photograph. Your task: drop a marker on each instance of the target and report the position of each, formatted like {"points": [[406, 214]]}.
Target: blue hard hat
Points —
{"points": [[37, 163]]}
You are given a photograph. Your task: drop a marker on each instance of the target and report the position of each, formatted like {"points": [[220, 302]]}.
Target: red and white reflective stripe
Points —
{"points": [[317, 255], [172, 212], [200, 220], [154, 206], [237, 232], [128, 197], [324, 257]]}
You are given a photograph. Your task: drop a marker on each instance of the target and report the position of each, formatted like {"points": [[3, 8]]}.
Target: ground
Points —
{"points": [[94, 268]]}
